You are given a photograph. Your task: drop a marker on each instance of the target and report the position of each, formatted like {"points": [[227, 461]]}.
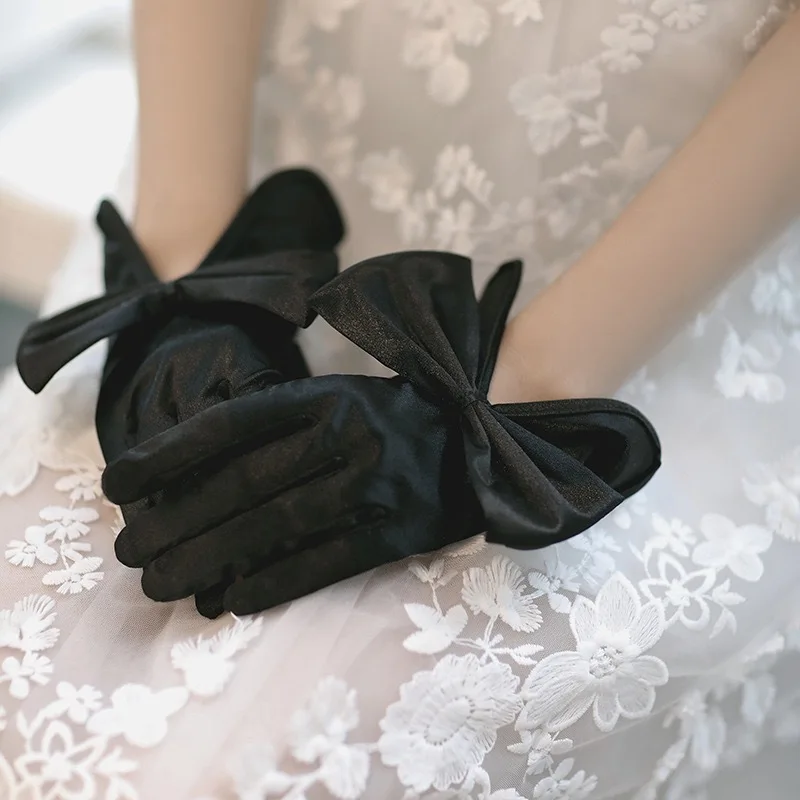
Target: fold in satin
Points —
{"points": [[542, 472], [278, 283]]}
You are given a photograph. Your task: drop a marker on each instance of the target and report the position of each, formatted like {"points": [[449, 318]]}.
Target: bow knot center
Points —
{"points": [[467, 399]]}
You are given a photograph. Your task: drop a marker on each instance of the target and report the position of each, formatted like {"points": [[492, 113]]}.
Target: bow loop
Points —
{"points": [[416, 312], [278, 284], [542, 472]]}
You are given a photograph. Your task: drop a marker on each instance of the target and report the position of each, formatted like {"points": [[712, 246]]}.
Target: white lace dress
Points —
{"points": [[644, 659]]}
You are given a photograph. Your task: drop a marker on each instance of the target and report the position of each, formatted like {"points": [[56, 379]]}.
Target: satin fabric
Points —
{"points": [[222, 331], [313, 481]]}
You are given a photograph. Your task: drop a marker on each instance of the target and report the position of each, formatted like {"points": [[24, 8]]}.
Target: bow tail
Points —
{"points": [[533, 492], [612, 439], [49, 344]]}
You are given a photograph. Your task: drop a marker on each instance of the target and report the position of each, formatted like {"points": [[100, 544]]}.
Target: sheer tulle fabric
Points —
{"points": [[640, 660]]}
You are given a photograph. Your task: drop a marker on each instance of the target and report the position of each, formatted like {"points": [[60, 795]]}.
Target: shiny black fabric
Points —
{"points": [[220, 332], [312, 481]]}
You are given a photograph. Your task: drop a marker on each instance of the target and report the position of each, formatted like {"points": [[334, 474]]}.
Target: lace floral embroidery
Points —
{"points": [[456, 210], [77, 745], [27, 628], [61, 536], [776, 488], [440, 27]]}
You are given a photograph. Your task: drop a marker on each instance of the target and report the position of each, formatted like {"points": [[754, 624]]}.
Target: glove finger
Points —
{"points": [[235, 547], [355, 544], [206, 501], [241, 423], [209, 603]]}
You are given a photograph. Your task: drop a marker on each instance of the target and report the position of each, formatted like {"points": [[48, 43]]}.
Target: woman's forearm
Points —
{"points": [[733, 186], [196, 64]]}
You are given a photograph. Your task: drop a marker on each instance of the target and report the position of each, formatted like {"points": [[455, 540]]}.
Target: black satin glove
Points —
{"points": [[223, 331], [313, 481]]}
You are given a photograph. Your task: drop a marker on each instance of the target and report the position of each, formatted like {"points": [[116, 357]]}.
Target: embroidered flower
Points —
{"points": [[67, 523], [319, 731], [682, 593], [776, 487], [736, 547], [77, 703], [79, 575], [744, 368], [21, 674], [83, 485], [340, 97], [37, 436], [559, 786], [522, 11], [206, 662], [437, 631], [497, 591], [61, 763], [451, 166], [540, 747], [549, 103], [637, 161], [256, 774], [453, 228], [557, 578], [567, 198], [35, 547], [435, 574], [598, 564], [703, 726], [680, 14], [28, 626], [627, 40], [324, 723], [317, 734], [447, 720], [607, 671], [389, 177], [769, 23], [671, 534], [432, 46], [139, 714], [449, 80], [777, 292]]}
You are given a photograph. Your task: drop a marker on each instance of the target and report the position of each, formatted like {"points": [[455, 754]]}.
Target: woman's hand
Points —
{"points": [[728, 191]]}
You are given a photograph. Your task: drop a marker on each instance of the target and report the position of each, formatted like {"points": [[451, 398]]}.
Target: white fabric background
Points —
{"points": [[641, 660]]}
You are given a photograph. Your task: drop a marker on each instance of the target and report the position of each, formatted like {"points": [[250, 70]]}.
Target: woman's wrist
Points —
{"points": [[526, 370], [177, 233]]}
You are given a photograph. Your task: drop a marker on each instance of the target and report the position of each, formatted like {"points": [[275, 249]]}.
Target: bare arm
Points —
{"points": [[732, 187], [196, 65]]}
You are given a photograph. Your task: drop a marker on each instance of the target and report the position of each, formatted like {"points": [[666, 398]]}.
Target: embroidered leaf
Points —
{"points": [[25, 730], [522, 654], [724, 596], [726, 620], [437, 632], [421, 615]]}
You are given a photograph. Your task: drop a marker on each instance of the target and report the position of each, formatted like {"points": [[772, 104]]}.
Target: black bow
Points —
{"points": [[542, 471], [278, 283]]}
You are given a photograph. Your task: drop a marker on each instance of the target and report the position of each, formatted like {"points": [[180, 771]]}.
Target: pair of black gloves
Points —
{"points": [[247, 483]]}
